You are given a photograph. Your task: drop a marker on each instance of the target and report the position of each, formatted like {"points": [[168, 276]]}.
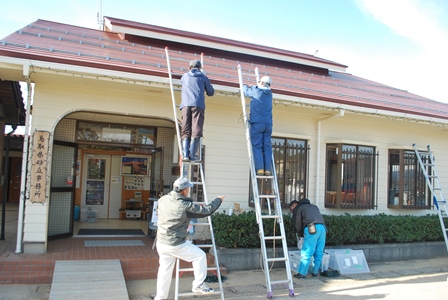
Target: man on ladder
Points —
{"points": [[174, 212], [261, 124], [194, 85], [262, 170]]}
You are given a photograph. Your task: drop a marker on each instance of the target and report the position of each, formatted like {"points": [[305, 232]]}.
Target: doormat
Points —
{"points": [[92, 231], [113, 243]]}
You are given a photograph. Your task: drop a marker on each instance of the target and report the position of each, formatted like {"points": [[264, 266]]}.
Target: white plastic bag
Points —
{"points": [[299, 242]]}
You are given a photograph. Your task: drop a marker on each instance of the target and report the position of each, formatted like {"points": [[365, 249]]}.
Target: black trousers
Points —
{"points": [[192, 122]]}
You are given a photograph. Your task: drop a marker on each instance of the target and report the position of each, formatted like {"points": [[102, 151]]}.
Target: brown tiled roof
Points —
{"points": [[56, 42]]}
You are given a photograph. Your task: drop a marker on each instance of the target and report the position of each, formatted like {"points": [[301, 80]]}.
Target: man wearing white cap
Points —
{"points": [[194, 85], [174, 212], [261, 124]]}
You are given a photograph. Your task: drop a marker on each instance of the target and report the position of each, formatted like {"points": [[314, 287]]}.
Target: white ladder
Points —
{"points": [[432, 180], [191, 170], [266, 199]]}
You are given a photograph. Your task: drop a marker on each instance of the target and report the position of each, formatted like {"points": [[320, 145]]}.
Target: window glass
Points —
{"points": [[290, 157], [407, 184], [350, 176], [115, 133]]}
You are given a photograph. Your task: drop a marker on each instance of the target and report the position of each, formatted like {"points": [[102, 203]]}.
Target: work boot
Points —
{"points": [[186, 149], [194, 149]]}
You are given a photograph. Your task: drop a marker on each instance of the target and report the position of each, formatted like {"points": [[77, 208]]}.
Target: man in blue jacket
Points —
{"points": [[261, 124], [194, 85]]}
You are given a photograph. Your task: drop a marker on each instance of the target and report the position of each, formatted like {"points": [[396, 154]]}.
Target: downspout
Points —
{"points": [[339, 114], [26, 75]]}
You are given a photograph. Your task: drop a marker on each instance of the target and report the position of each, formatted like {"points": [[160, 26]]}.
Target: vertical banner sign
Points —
{"points": [[39, 160]]}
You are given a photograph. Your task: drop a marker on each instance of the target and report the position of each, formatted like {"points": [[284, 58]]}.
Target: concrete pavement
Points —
{"points": [[425, 279], [416, 279]]}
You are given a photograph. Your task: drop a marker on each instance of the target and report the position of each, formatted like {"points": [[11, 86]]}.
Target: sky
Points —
{"points": [[401, 43]]}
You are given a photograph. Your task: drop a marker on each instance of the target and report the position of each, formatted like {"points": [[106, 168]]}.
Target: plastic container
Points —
{"points": [[89, 216], [348, 261], [294, 261], [76, 213]]}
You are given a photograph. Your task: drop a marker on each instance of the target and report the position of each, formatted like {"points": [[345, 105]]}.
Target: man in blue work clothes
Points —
{"points": [[261, 124], [309, 223], [194, 85]]}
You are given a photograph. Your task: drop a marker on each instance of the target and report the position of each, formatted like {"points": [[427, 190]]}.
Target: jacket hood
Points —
{"points": [[303, 202], [195, 72]]}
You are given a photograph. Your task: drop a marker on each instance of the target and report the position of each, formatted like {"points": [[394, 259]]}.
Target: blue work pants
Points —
{"points": [[313, 246], [260, 135]]}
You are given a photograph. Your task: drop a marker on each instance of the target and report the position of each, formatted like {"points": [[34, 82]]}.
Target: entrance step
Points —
{"points": [[88, 279]]}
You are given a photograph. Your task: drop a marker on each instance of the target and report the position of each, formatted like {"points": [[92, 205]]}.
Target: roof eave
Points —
{"points": [[124, 27]]}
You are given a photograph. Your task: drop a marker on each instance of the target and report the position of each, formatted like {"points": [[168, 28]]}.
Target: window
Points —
{"points": [[350, 176], [290, 157], [115, 133], [406, 182]]}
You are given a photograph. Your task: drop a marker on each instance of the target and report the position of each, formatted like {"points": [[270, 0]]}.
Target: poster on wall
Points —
{"points": [[39, 161], [134, 165]]}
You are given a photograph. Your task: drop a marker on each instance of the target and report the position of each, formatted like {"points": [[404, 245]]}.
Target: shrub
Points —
{"points": [[242, 231]]}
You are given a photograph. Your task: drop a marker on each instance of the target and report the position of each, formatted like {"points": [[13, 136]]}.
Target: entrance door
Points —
{"points": [[62, 191], [14, 179], [95, 187]]}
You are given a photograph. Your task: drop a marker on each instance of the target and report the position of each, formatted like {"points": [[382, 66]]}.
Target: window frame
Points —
{"points": [[341, 191], [402, 199], [283, 159]]}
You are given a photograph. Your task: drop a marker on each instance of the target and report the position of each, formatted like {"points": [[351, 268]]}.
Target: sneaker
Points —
{"points": [[260, 173], [267, 173], [299, 276], [203, 289]]}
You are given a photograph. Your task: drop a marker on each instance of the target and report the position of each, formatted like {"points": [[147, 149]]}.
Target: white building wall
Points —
{"points": [[227, 166]]}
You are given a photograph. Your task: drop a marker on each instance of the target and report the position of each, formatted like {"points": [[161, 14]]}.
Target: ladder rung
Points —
{"points": [[267, 196], [200, 224], [270, 216], [205, 246], [278, 237], [265, 176], [191, 269], [279, 282], [277, 259], [197, 182]]}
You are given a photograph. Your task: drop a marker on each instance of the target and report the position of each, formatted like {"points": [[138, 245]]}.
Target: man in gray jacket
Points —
{"points": [[174, 212]]}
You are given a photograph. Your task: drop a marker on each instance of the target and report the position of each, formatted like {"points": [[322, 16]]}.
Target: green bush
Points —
{"points": [[242, 231]]}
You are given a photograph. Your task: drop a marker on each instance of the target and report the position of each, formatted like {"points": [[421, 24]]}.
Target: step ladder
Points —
{"points": [[270, 184], [427, 164], [194, 172]]}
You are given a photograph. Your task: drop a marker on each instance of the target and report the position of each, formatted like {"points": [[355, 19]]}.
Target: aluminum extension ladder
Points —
{"points": [[190, 170], [265, 198], [432, 180]]}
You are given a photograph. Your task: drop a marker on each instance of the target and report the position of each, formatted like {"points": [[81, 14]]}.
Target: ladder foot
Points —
{"points": [[291, 293], [269, 296]]}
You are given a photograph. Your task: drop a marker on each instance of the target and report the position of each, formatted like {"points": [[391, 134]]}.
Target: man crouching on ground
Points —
{"points": [[174, 212]]}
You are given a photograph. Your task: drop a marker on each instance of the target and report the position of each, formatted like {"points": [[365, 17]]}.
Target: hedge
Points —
{"points": [[241, 231]]}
